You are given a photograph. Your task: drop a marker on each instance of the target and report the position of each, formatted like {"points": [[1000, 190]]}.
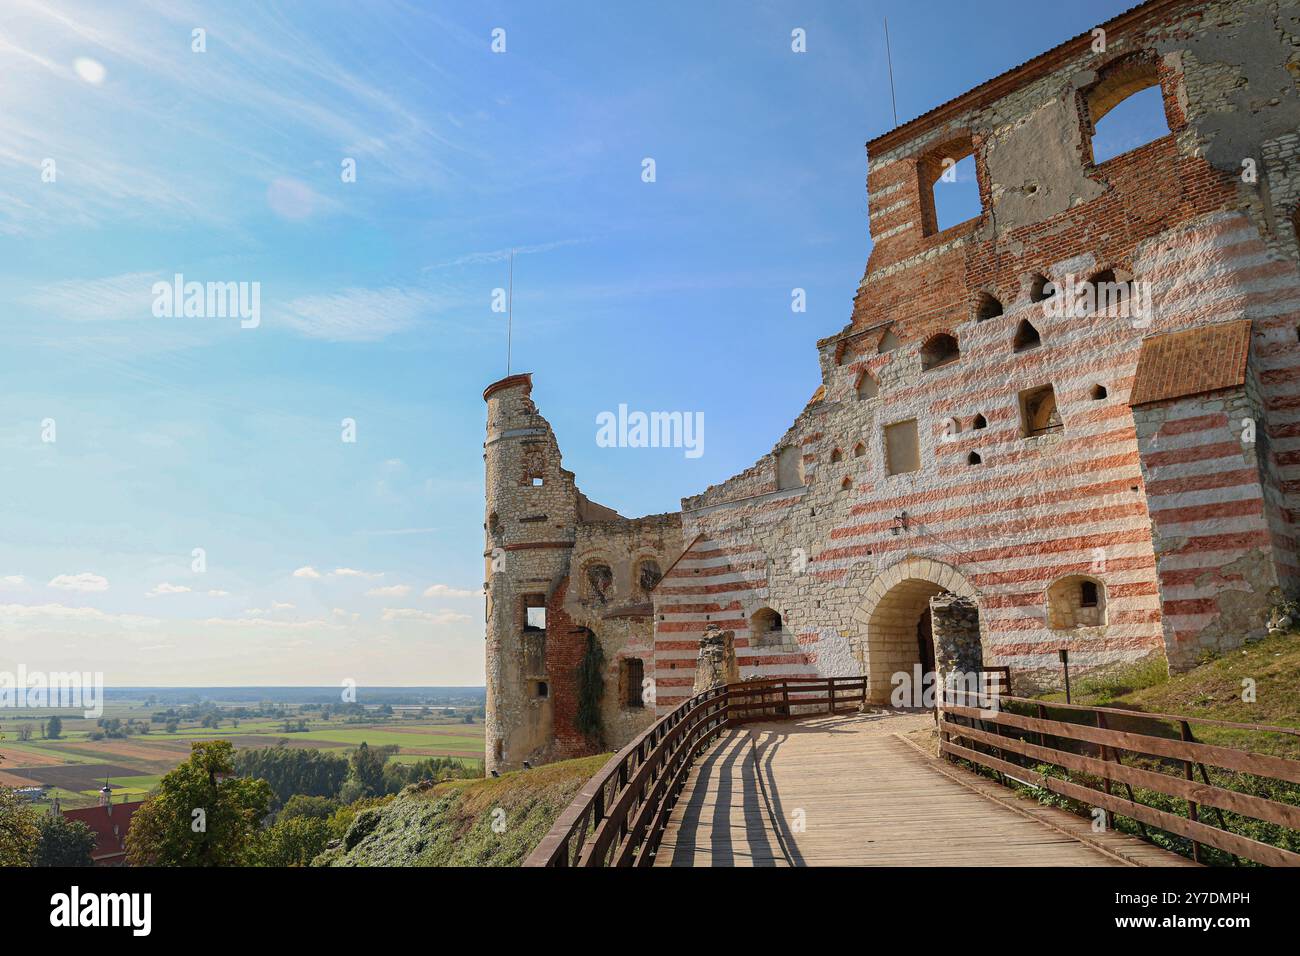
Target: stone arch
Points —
{"points": [[887, 619]]}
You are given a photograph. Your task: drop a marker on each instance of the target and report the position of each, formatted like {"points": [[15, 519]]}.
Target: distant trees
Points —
{"points": [[25, 731], [290, 771], [63, 842], [54, 727], [201, 815]]}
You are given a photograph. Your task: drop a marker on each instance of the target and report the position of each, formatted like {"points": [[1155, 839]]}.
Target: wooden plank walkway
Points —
{"points": [[847, 790]]}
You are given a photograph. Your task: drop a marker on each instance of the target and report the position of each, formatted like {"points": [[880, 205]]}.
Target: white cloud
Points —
{"points": [[307, 572], [264, 622], [351, 616], [27, 613], [92, 71], [218, 593], [85, 581], [125, 296], [354, 573], [392, 590], [415, 614], [444, 590], [282, 606], [165, 588], [13, 581], [356, 315]]}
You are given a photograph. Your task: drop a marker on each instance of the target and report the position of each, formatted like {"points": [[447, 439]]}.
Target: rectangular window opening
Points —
{"points": [[902, 448]]}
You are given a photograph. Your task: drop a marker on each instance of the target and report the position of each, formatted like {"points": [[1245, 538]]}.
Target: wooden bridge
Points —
{"points": [[799, 772]]}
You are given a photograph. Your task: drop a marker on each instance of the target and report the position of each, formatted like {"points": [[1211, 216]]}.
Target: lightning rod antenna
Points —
{"points": [[510, 307], [890, 60]]}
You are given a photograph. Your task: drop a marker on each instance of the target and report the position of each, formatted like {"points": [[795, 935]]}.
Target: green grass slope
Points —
{"points": [[451, 824], [1269, 668]]}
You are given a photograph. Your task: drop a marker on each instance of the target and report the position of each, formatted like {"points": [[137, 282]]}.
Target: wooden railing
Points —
{"points": [[619, 815], [1019, 739]]}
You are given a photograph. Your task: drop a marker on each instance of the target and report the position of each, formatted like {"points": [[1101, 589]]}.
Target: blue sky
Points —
{"points": [[328, 560]]}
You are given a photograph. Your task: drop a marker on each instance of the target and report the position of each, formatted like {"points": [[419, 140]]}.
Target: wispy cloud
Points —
{"points": [[166, 588], [30, 613], [415, 614], [354, 573], [392, 590], [501, 255], [443, 590], [356, 315], [85, 581]]}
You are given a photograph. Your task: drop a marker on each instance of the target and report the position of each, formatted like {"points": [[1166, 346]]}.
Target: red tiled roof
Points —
{"points": [[110, 825], [1192, 362]]}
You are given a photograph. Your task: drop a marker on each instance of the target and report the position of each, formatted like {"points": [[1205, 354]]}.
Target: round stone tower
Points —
{"points": [[529, 529]]}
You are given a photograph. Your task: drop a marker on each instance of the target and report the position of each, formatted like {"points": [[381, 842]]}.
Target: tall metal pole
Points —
{"points": [[890, 60], [510, 309]]}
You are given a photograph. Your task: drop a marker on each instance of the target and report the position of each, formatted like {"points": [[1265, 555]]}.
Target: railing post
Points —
{"points": [[830, 695], [1191, 805]]}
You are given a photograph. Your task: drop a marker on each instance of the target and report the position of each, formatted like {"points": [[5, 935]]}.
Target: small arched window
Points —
{"points": [[765, 627], [837, 455], [974, 459], [1027, 337], [648, 575], [1041, 288], [846, 484], [599, 582], [1076, 601], [980, 422], [1098, 393], [940, 350], [888, 342], [987, 307], [867, 386], [859, 450]]}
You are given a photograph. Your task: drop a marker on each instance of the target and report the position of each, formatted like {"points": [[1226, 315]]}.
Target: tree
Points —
{"points": [[63, 842], [292, 842], [25, 732], [18, 833], [302, 805], [366, 777], [54, 727], [591, 688], [197, 819], [172, 725]]}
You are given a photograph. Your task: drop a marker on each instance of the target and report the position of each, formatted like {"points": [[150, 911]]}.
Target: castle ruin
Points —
{"points": [[995, 460]]}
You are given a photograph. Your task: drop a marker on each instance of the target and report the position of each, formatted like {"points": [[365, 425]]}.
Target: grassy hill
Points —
{"points": [[1214, 690], [451, 824]]}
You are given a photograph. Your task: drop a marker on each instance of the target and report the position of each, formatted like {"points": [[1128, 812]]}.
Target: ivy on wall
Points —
{"points": [[591, 688]]}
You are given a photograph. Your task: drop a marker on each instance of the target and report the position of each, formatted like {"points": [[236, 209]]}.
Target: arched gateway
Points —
{"points": [[895, 620]]}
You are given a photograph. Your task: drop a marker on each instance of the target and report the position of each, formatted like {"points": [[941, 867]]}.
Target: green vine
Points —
{"points": [[591, 688]]}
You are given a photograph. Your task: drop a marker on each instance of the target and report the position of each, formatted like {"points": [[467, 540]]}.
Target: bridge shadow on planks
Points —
{"points": [[846, 791]]}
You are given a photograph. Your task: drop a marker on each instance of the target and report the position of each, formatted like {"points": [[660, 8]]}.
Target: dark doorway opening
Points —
{"points": [[925, 643]]}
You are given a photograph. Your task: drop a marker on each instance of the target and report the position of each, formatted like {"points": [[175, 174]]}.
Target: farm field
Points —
{"points": [[75, 766]]}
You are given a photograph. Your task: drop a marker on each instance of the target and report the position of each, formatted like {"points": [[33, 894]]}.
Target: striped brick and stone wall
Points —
{"points": [[1161, 496]]}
